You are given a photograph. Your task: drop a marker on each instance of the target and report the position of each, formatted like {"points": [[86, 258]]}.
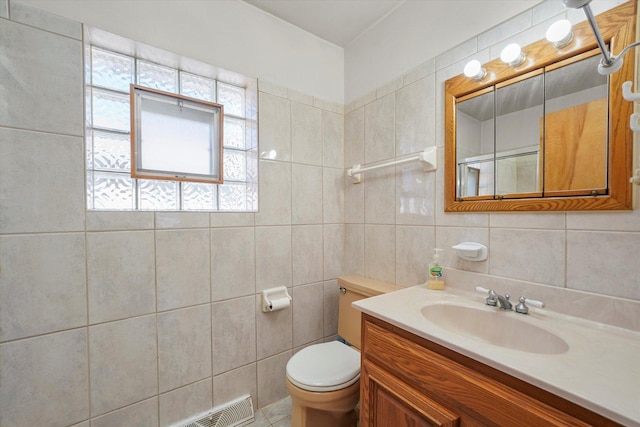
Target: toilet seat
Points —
{"points": [[324, 367]]}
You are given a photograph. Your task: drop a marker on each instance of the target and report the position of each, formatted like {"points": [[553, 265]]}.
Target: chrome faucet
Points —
{"points": [[501, 301], [496, 300]]}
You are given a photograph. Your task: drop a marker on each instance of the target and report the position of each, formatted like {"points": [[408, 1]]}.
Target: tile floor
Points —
{"points": [[278, 414]]}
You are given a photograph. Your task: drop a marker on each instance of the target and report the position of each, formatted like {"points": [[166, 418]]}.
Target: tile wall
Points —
{"points": [[146, 318], [123, 318], [578, 263]]}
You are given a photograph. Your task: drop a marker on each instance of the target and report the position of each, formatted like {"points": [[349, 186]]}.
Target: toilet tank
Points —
{"points": [[356, 288]]}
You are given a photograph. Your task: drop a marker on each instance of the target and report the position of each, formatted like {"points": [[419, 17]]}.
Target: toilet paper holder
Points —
{"points": [[274, 299]]}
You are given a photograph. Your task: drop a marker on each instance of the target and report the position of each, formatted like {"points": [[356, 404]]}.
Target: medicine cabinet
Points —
{"points": [[550, 134]]}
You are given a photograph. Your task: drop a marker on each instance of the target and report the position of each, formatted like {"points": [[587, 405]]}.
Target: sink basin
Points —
{"points": [[498, 328]]}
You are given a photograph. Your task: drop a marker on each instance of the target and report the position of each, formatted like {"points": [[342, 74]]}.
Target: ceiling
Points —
{"points": [[337, 21]]}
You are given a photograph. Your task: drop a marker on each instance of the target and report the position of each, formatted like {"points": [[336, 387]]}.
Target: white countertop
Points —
{"points": [[600, 371]]}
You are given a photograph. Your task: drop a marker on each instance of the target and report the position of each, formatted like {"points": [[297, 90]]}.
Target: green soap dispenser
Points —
{"points": [[436, 272]]}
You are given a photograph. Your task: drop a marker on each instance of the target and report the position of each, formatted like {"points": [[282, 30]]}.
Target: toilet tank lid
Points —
{"points": [[366, 287]]}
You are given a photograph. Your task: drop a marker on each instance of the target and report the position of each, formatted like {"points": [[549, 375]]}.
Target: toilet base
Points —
{"points": [[322, 409]]}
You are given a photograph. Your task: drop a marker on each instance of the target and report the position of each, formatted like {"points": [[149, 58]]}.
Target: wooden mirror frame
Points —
{"points": [[618, 28]]}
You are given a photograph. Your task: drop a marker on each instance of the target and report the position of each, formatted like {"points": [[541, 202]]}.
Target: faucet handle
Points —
{"points": [[522, 307], [534, 302], [482, 290], [492, 299]]}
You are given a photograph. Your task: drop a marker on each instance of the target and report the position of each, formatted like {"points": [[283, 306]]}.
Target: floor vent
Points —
{"points": [[238, 412]]}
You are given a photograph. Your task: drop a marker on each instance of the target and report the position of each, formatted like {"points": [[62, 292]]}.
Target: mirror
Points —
{"points": [[551, 134]]}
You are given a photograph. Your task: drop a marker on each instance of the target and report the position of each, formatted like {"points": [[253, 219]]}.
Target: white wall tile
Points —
{"points": [[380, 196], [183, 275], [306, 253], [43, 284], [275, 193], [271, 379], [52, 71], [234, 333], [143, 414], [300, 97], [604, 263], [306, 194], [415, 121], [123, 361], [379, 129], [354, 249], [380, 252], [604, 221], [274, 330], [415, 201], [421, 71], [233, 263], [354, 138], [451, 56], [232, 219], [353, 201], [331, 303], [184, 346], [185, 402], [414, 246], [306, 134], [533, 255], [506, 30], [544, 220], [308, 313], [273, 257], [273, 89], [333, 183], [121, 276], [333, 253], [45, 378], [119, 220], [275, 127], [41, 180], [4, 9], [235, 383], [389, 87], [332, 139], [182, 219], [46, 21], [447, 237]]}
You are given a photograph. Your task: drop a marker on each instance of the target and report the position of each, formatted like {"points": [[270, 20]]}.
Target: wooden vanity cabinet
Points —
{"points": [[408, 381]]}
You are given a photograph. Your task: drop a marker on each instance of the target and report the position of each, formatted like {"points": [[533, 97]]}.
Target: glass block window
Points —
{"points": [[110, 186]]}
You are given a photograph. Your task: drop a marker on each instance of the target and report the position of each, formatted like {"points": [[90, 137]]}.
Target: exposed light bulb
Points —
{"points": [[512, 55], [560, 34], [474, 70]]}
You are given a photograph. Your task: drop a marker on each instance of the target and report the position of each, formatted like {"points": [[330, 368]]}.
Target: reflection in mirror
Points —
{"points": [[557, 118], [576, 118], [519, 109], [475, 145]]}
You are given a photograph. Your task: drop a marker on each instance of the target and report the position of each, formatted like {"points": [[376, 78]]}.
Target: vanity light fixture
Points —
{"points": [[474, 70], [609, 63], [512, 54], [560, 34]]}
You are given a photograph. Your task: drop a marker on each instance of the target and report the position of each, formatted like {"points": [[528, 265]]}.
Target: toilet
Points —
{"points": [[324, 379]]}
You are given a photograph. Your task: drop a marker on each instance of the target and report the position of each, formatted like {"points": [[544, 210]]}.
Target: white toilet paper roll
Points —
{"points": [[279, 304]]}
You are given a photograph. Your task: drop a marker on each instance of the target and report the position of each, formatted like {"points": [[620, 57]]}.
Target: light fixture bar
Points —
{"points": [[608, 59]]}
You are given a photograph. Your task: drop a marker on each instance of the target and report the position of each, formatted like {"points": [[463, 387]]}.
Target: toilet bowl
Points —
{"points": [[323, 380]]}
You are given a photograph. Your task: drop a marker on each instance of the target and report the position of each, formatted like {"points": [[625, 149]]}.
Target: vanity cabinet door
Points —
{"points": [[409, 381], [391, 402]]}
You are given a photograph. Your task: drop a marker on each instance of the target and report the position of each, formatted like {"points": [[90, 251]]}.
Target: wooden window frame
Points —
{"points": [[136, 169]]}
